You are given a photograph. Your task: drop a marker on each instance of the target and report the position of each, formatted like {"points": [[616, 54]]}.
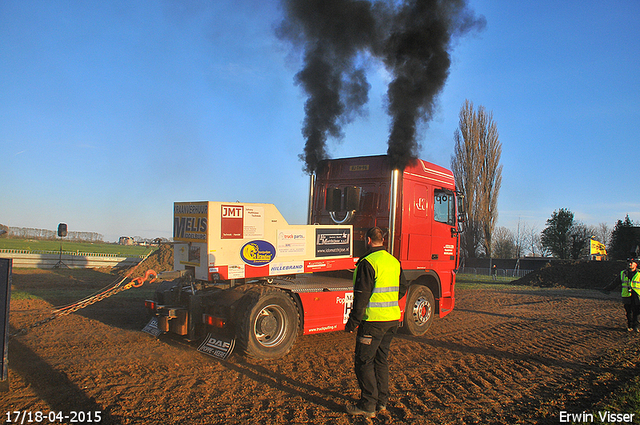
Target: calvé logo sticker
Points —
{"points": [[258, 253]]}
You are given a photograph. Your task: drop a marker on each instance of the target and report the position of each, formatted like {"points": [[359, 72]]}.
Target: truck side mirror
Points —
{"points": [[333, 201], [461, 212], [352, 196]]}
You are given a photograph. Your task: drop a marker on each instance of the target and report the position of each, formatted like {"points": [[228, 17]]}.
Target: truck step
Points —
{"points": [[313, 283]]}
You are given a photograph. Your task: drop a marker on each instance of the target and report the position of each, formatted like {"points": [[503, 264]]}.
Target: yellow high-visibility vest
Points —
{"points": [[383, 304], [629, 285]]}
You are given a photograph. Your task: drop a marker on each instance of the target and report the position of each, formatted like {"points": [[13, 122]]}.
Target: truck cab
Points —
{"points": [[417, 206]]}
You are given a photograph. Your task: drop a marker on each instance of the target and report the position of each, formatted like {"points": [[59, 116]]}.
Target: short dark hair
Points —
{"points": [[375, 234]]}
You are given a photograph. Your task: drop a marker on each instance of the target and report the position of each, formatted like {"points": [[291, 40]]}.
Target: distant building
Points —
{"points": [[125, 240]]}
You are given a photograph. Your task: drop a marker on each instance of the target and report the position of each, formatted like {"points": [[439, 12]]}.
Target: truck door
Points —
{"points": [[444, 241], [416, 226]]}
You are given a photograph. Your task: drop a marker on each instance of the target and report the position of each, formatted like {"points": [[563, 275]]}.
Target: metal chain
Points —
{"points": [[116, 289], [111, 290]]}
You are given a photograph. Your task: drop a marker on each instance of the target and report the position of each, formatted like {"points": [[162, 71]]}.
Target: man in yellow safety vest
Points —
{"points": [[378, 284], [629, 280]]}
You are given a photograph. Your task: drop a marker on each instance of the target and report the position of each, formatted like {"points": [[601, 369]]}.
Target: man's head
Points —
{"points": [[632, 263], [374, 237]]}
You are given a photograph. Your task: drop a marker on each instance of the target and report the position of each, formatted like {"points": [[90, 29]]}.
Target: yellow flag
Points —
{"points": [[597, 248]]}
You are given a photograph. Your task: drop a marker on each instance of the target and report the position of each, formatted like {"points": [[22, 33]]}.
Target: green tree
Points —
{"points": [[478, 173], [625, 239], [580, 237], [555, 237]]}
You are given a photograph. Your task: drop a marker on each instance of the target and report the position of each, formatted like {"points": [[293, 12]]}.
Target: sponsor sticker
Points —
{"points": [[152, 327], [292, 242], [324, 328], [236, 271], [190, 221], [190, 254], [231, 222], [217, 346], [333, 242], [286, 268], [253, 222], [258, 253], [347, 302]]}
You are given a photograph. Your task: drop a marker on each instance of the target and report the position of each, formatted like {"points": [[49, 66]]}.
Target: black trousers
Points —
{"points": [[373, 342], [632, 308]]}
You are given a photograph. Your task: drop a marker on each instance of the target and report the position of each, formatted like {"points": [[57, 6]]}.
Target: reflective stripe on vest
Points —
{"points": [[629, 285], [383, 304]]}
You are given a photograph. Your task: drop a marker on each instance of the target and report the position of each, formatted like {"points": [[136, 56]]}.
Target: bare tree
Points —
{"points": [[601, 232], [519, 239], [531, 241], [465, 167], [504, 243], [478, 173], [31, 233], [527, 238]]}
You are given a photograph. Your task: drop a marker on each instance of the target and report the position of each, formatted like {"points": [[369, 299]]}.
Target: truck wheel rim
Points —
{"points": [[421, 311], [270, 326]]}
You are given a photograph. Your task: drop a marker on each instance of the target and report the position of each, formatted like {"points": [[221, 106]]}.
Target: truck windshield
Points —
{"points": [[444, 207]]}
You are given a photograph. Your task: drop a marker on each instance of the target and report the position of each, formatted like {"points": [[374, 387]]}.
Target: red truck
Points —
{"points": [[243, 277]]}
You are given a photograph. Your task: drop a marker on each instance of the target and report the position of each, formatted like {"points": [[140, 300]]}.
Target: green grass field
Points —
{"points": [[626, 399], [469, 281], [67, 246]]}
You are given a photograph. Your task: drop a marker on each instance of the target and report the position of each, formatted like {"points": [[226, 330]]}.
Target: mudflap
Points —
{"points": [[152, 327], [218, 346]]}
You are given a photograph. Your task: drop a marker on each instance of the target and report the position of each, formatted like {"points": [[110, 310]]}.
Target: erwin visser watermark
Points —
{"points": [[599, 417]]}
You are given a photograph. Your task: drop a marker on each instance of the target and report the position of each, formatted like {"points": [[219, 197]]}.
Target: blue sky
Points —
{"points": [[112, 111]]}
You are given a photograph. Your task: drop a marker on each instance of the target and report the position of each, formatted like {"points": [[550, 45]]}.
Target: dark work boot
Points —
{"points": [[354, 410]]}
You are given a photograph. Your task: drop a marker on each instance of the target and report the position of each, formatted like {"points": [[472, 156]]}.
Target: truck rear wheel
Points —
{"points": [[418, 314], [268, 326]]}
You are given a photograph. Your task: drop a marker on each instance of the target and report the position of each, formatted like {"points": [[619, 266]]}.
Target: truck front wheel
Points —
{"points": [[418, 314], [268, 326]]}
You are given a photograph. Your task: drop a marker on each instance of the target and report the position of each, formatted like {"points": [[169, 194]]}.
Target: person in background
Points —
{"points": [[629, 280], [378, 284]]}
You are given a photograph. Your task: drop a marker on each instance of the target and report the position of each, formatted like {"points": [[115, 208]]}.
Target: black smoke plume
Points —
{"points": [[340, 37]]}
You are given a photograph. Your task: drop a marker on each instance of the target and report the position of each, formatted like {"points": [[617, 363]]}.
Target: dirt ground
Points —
{"points": [[509, 354]]}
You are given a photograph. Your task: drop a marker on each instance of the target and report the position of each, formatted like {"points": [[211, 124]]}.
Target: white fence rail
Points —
{"points": [[72, 260]]}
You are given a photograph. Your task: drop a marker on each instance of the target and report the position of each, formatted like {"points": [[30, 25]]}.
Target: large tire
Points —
{"points": [[419, 310], [267, 326]]}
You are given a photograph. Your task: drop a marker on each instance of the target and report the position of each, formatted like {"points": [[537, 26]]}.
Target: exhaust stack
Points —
{"points": [[393, 200], [312, 184]]}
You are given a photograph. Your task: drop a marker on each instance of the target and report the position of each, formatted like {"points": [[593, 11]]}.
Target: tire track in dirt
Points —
{"points": [[502, 356], [505, 358]]}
